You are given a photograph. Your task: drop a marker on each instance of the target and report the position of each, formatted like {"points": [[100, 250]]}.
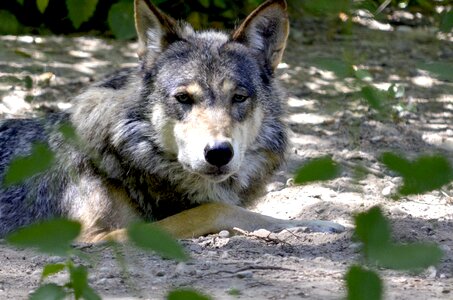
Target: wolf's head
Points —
{"points": [[209, 92]]}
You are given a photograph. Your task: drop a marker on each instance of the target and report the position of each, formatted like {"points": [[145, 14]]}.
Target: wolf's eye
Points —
{"points": [[237, 98], [183, 98]]}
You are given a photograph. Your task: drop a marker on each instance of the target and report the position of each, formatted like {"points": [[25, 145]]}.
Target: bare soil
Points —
{"points": [[41, 74]]}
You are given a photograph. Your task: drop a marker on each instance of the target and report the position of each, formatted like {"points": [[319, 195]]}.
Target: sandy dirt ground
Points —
{"points": [[41, 74]]}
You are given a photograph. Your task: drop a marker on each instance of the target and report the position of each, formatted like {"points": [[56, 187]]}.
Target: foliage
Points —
{"points": [[24, 167], [56, 236], [150, 237], [373, 230], [121, 20], [80, 11], [322, 168], [424, 174], [186, 294], [363, 284], [84, 15], [53, 237]]}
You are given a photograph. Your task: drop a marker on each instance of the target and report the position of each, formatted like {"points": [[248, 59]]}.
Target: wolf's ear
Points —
{"points": [[155, 29], [265, 31]]}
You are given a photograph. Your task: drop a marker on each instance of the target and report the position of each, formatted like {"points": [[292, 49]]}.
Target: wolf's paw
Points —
{"points": [[310, 226], [323, 226]]}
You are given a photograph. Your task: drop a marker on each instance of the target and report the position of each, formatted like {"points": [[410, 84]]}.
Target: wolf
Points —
{"points": [[186, 139]]}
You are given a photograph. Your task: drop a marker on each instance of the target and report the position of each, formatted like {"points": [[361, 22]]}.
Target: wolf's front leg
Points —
{"points": [[214, 217]]}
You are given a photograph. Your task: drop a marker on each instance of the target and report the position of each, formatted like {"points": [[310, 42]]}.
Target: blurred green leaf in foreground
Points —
{"points": [[321, 168], [151, 237], [24, 167], [52, 237], [424, 174], [373, 230]]}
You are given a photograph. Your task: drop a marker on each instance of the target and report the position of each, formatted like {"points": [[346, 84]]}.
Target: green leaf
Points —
{"points": [[326, 7], [49, 291], [68, 131], [396, 91], [220, 4], [52, 269], [42, 5], [8, 23], [79, 283], [446, 22], [339, 67], [363, 284], [425, 174], [186, 294], [53, 237], [151, 237], [372, 229], [375, 98], [22, 168], [21, 2], [396, 163], [322, 168], [363, 74], [204, 3], [442, 70], [80, 11], [121, 20], [408, 257], [28, 82]]}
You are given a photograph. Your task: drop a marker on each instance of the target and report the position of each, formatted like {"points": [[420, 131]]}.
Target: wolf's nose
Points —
{"points": [[218, 154]]}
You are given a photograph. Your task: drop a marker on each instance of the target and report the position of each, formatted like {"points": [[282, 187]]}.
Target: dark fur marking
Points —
{"points": [[116, 80]]}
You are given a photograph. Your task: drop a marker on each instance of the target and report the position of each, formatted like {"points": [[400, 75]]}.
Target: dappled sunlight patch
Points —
{"points": [[79, 54], [14, 103], [442, 142], [91, 44], [296, 102], [372, 23], [310, 118], [305, 139], [89, 67], [424, 81]]}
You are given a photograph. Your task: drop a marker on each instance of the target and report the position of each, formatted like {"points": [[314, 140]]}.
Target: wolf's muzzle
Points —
{"points": [[219, 154]]}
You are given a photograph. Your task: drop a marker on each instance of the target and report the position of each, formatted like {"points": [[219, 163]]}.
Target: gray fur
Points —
{"points": [[120, 168]]}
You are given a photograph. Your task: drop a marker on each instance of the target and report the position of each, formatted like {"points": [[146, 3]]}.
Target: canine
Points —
{"points": [[186, 139]]}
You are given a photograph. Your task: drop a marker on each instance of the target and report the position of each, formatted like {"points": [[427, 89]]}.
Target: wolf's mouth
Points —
{"points": [[216, 176]]}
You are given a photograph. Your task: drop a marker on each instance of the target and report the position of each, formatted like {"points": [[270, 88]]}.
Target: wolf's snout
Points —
{"points": [[219, 154]]}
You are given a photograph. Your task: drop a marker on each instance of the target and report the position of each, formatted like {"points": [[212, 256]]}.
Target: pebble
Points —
{"points": [[397, 180], [55, 259], [445, 248], [431, 272], [275, 186], [224, 234], [101, 281], [225, 255], [244, 274], [160, 273], [388, 190], [184, 269], [377, 138], [261, 233], [195, 248]]}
